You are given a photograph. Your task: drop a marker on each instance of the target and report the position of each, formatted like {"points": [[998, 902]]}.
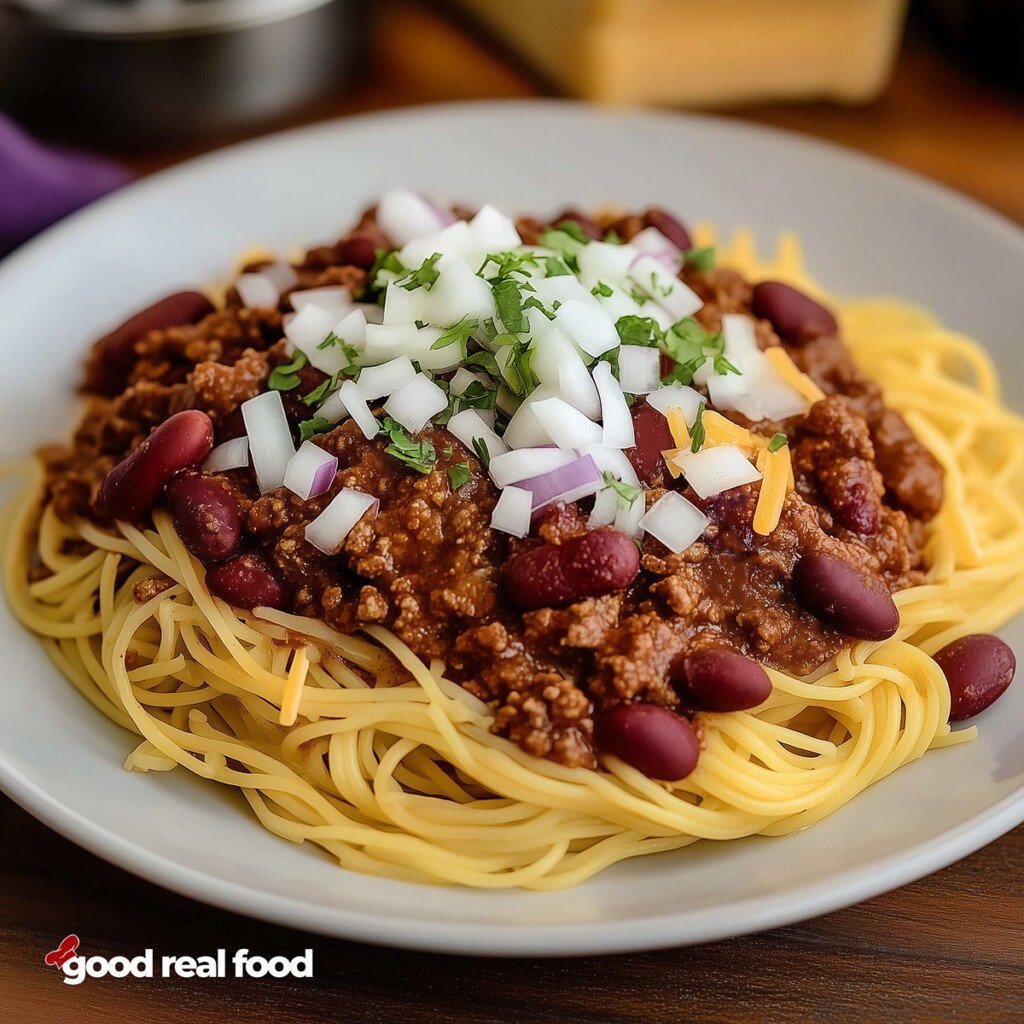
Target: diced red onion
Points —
{"points": [[565, 425], [310, 471], [270, 438], [718, 468], [403, 215], [415, 402], [334, 297], [676, 396], [676, 522], [568, 483], [328, 531], [589, 327], [523, 463], [639, 369], [233, 454], [651, 242], [262, 289], [606, 505], [616, 419], [661, 284], [385, 378], [468, 426], [352, 399], [513, 511]]}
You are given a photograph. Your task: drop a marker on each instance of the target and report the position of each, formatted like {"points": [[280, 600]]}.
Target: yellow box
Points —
{"points": [[702, 52]]}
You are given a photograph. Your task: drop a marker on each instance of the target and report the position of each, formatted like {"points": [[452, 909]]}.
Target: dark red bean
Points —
{"points": [[844, 598], [205, 516], [229, 427], [133, 486], [792, 314], [114, 353], [652, 438], [653, 740], [248, 581], [553, 575], [672, 228], [978, 669], [357, 251], [587, 225], [720, 680]]}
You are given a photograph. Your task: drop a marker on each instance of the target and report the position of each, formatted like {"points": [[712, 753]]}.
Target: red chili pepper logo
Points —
{"points": [[63, 953]]}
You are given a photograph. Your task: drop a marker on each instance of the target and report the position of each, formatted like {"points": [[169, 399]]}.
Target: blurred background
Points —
{"points": [[936, 85]]}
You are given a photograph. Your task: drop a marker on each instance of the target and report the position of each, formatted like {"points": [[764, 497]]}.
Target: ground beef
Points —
{"points": [[430, 568]]}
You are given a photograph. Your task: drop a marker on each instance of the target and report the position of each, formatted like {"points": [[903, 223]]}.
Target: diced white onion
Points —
{"points": [[334, 297], [606, 505], [333, 408], [713, 470], [328, 531], [309, 327], [494, 231], [403, 215], [233, 454], [402, 306], [603, 262], [565, 425], [524, 430], [468, 426], [262, 289], [614, 461], [639, 369], [513, 511], [629, 514], [310, 471], [415, 402], [456, 240], [385, 378], [651, 242], [457, 293], [616, 420], [739, 335], [676, 522], [654, 278], [352, 400], [388, 341], [465, 378], [676, 396], [589, 327], [333, 358], [522, 463], [557, 363], [270, 438]]}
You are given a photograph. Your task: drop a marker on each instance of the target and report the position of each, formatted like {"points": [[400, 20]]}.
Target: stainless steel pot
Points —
{"points": [[135, 72]]}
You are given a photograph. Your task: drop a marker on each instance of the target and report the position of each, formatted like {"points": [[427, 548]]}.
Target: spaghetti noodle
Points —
{"points": [[404, 778]]}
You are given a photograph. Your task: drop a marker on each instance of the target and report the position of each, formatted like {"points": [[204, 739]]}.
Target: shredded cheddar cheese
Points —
{"points": [[677, 425], [800, 382], [776, 470], [670, 460]]}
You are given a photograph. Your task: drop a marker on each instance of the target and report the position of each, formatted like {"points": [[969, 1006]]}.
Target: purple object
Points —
{"points": [[39, 184]]}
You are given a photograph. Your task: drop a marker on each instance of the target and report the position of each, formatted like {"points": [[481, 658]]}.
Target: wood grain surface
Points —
{"points": [[948, 948]]}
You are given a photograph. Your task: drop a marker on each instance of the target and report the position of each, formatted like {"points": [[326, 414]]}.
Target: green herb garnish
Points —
{"points": [[317, 425], [601, 289], [482, 452], [724, 365], [778, 441], [612, 238], [697, 430], [458, 334], [321, 391], [573, 230], [638, 330], [417, 455], [459, 474], [424, 276], [285, 377], [700, 259], [627, 492], [554, 266]]}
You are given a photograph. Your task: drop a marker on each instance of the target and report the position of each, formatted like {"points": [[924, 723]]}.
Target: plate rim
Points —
{"points": [[519, 940]]}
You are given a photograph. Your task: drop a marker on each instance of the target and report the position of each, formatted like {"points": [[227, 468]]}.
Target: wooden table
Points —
{"points": [[949, 947]]}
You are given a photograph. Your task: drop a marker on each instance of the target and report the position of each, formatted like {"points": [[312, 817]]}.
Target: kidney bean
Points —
{"points": [[357, 251], [247, 581], [229, 427], [791, 313], [720, 680], [978, 669], [670, 227], [652, 438], [653, 740], [205, 516], [132, 487], [587, 225], [115, 351], [553, 575], [844, 598], [855, 505]]}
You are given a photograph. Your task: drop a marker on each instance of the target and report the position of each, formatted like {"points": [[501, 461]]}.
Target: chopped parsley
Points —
{"points": [[601, 289], [285, 377], [723, 365], [424, 276], [317, 425], [638, 330], [627, 493], [321, 391], [508, 300], [517, 368], [564, 243], [689, 345], [383, 261], [459, 334], [639, 297], [534, 303], [459, 474], [778, 441], [612, 238], [573, 230], [697, 430], [554, 266], [482, 452], [485, 360], [418, 455], [700, 258]]}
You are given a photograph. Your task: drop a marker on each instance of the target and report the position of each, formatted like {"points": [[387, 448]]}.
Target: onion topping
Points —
{"points": [[310, 471], [233, 454], [676, 522], [328, 531]]}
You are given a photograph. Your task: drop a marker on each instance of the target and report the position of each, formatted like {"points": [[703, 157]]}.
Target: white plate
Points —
{"points": [[868, 229]]}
